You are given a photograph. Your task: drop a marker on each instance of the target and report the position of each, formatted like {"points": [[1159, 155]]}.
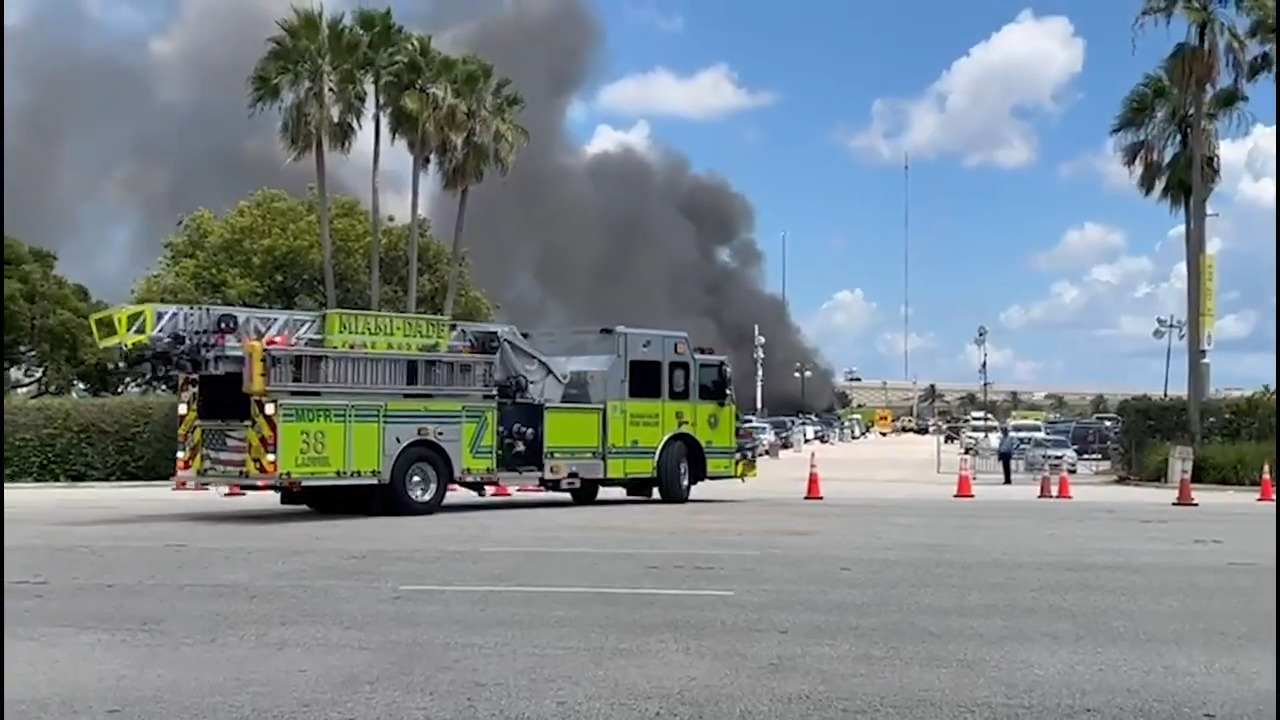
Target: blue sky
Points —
{"points": [[1020, 218]]}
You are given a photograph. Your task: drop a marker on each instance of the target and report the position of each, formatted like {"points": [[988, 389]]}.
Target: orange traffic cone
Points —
{"points": [[1185, 498], [1266, 489], [530, 489], [500, 491], [813, 489], [1046, 487], [234, 491], [1064, 484], [189, 485], [964, 482], [453, 487]]}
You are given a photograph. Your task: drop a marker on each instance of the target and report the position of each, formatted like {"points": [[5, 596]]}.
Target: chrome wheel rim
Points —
{"points": [[684, 475], [421, 482]]}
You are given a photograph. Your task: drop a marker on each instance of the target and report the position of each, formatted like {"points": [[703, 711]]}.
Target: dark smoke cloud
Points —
{"points": [[109, 139], [617, 237]]}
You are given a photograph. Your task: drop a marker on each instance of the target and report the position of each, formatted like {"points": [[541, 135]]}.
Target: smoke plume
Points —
{"points": [[109, 138]]}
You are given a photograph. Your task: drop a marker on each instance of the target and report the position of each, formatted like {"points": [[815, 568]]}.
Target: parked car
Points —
{"points": [[764, 436], [784, 429], [1051, 451]]}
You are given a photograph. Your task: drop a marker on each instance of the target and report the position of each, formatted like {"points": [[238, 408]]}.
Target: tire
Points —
{"points": [[406, 496], [586, 493], [674, 475]]}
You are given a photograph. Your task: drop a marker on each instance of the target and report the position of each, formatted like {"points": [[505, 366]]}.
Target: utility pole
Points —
{"points": [[906, 266], [980, 341]]}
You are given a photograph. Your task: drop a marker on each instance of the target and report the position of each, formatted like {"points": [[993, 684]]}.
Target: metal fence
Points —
{"points": [[984, 463]]}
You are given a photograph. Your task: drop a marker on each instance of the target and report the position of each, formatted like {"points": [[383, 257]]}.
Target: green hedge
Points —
{"points": [[98, 439], [1238, 435], [1220, 464]]}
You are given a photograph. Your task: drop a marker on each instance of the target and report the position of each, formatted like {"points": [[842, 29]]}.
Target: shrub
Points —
{"points": [[1150, 424], [99, 439], [1237, 463]]}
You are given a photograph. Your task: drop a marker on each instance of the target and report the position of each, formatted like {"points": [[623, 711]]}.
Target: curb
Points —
{"points": [[1209, 487], [88, 485]]}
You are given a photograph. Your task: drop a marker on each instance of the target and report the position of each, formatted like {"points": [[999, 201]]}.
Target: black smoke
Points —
{"points": [[112, 132], [619, 237]]}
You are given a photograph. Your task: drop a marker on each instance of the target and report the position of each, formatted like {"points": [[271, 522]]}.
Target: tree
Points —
{"points": [[47, 344], [1213, 54], [1057, 403], [1014, 398], [420, 98], [1098, 404], [264, 253], [968, 402], [310, 73], [1261, 31], [382, 39], [486, 137]]}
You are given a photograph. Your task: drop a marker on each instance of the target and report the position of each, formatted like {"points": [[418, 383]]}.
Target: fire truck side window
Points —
{"points": [[678, 381], [708, 379], [644, 380]]}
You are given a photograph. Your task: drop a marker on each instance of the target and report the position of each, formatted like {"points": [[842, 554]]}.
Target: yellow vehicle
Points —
{"points": [[884, 421], [344, 410]]}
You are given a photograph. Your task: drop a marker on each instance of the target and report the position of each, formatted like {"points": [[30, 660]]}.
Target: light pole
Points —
{"points": [[1167, 328], [980, 342], [803, 371], [784, 268], [906, 266], [758, 355]]}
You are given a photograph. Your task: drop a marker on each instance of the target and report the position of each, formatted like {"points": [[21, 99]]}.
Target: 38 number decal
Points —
{"points": [[311, 442]]}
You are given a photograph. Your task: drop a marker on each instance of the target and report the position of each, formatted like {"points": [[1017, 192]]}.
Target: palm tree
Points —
{"points": [[310, 74], [1213, 51], [1057, 402], [1261, 31], [419, 111], [382, 38], [1014, 399], [490, 135]]}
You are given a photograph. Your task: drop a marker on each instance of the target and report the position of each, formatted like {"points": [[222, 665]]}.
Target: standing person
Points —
{"points": [[1005, 453]]}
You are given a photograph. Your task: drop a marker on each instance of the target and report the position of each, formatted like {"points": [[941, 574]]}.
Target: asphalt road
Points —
{"points": [[163, 606]]}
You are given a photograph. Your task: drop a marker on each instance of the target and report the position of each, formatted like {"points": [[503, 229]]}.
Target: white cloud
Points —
{"points": [[891, 344], [1235, 326], [1249, 167], [1105, 163], [848, 312], [1002, 363], [606, 138], [649, 14], [978, 109], [1083, 245], [708, 94]]}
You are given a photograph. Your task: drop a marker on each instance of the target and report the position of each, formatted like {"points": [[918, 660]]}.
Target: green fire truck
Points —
{"points": [[345, 410]]}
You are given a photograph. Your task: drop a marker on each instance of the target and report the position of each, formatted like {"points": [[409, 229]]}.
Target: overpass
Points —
{"points": [[898, 393]]}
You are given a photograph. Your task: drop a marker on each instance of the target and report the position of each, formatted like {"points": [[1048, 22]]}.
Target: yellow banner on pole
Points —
{"points": [[1208, 299]]}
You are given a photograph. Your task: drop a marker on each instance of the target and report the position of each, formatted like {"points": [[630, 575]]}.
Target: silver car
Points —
{"points": [[1051, 452]]}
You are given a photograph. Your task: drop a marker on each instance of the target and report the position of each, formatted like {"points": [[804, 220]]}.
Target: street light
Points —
{"points": [[803, 372], [980, 342], [1166, 329], [757, 354]]}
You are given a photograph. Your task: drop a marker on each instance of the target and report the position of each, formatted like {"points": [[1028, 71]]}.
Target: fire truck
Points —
{"points": [[345, 411]]}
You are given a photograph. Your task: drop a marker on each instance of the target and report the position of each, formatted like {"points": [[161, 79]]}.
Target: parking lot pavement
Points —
{"points": [[154, 605]]}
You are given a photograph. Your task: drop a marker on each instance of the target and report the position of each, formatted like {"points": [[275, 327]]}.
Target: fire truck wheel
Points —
{"points": [[586, 493], [419, 481], [674, 476]]}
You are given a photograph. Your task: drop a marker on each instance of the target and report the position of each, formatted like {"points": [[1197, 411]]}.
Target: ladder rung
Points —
{"points": [[315, 368]]}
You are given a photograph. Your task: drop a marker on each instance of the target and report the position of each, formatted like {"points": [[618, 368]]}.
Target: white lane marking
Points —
{"points": [[615, 551], [563, 590]]}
